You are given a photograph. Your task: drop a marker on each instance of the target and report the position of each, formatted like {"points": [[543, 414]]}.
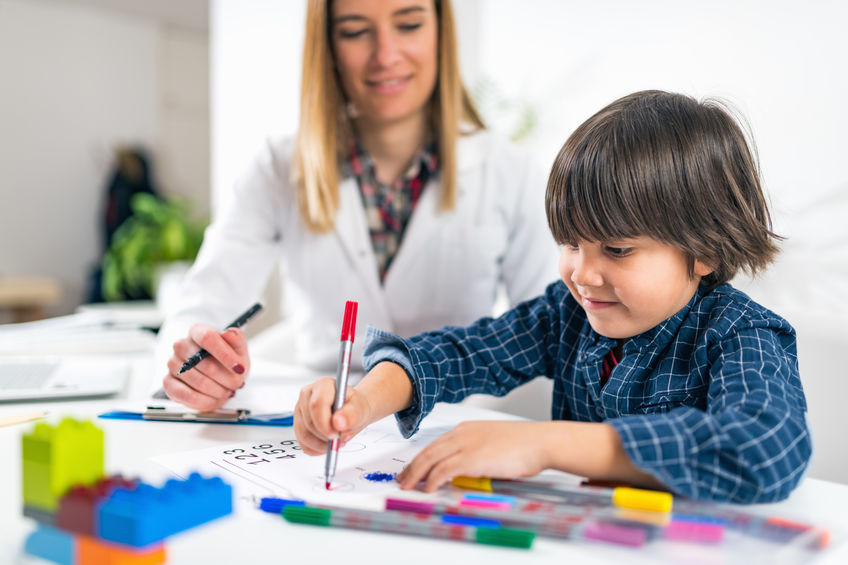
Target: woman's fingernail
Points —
{"points": [[232, 393], [238, 368], [242, 384], [341, 422]]}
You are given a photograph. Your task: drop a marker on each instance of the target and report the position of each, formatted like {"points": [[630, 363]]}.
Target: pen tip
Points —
{"points": [[327, 485]]}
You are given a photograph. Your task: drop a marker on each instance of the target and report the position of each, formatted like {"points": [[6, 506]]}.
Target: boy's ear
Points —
{"points": [[702, 269]]}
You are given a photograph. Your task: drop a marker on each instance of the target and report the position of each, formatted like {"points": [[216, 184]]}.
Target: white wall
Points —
{"points": [[782, 63], [76, 81], [255, 62]]}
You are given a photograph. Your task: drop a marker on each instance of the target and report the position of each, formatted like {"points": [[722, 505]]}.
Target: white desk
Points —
{"points": [[251, 536]]}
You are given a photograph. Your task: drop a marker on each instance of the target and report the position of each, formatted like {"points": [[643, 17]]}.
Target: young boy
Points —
{"points": [[664, 375]]}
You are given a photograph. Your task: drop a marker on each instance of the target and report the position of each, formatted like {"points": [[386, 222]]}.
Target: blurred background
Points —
{"points": [[101, 99]]}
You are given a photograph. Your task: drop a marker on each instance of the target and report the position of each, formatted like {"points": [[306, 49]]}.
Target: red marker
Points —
{"points": [[348, 329]]}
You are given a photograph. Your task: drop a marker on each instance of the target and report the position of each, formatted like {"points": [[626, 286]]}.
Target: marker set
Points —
{"points": [[623, 516]]}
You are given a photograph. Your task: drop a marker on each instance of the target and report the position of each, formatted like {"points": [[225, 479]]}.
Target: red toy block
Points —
{"points": [[77, 510]]}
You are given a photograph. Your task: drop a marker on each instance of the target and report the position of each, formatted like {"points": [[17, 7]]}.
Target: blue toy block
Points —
{"points": [[148, 515], [51, 544]]}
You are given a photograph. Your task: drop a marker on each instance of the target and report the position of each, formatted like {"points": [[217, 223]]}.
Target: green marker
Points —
{"points": [[410, 524]]}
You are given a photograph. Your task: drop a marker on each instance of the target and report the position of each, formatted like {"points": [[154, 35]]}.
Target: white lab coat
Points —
{"points": [[446, 270]]}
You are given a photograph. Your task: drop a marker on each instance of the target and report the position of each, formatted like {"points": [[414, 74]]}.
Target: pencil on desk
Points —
{"points": [[21, 418]]}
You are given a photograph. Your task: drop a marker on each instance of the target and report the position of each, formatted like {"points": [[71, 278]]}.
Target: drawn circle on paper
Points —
{"points": [[336, 486], [351, 447]]}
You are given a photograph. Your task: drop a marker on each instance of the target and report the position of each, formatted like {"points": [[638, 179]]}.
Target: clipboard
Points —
{"points": [[240, 416]]}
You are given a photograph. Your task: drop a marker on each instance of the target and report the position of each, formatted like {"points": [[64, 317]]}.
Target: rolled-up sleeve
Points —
{"points": [[750, 444], [384, 346], [491, 356]]}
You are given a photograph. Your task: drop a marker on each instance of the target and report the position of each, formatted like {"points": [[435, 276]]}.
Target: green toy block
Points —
{"points": [[55, 458]]}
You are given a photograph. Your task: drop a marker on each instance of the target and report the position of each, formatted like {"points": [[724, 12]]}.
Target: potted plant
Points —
{"points": [[158, 232]]}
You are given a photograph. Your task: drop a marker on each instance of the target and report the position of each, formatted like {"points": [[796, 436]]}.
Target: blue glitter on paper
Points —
{"points": [[380, 477]]}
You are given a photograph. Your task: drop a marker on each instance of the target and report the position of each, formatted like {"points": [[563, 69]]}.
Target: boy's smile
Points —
{"points": [[627, 287]]}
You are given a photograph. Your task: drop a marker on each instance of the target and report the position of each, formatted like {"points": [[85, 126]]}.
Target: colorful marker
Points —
{"points": [[543, 523], [275, 505], [548, 520], [770, 528], [408, 523], [624, 497], [342, 373]]}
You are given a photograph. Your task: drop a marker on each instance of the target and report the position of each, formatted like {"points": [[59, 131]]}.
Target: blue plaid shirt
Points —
{"points": [[709, 401]]}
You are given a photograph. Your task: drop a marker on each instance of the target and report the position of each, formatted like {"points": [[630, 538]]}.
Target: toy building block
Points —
{"points": [[92, 551], [56, 458], [147, 515], [77, 511], [41, 516], [52, 545]]}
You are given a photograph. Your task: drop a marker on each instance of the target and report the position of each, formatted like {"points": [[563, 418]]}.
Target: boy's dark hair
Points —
{"points": [[669, 167]]}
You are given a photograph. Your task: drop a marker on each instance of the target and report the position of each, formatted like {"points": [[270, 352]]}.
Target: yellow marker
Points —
{"points": [[641, 499], [623, 497]]}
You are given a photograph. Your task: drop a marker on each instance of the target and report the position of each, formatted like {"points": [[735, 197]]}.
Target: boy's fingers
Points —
{"points": [[320, 406], [423, 463], [443, 471]]}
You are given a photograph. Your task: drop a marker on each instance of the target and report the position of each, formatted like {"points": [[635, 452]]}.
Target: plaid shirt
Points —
{"points": [[389, 207], [709, 401]]}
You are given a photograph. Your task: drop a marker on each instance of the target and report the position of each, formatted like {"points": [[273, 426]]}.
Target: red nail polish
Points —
{"points": [[238, 368], [232, 393]]}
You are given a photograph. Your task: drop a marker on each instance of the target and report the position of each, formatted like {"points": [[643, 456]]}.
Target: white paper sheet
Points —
{"points": [[277, 467]]}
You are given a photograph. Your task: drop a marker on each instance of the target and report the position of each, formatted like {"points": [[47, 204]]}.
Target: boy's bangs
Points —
{"points": [[591, 198]]}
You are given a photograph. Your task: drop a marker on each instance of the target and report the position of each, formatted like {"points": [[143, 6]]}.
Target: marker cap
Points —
{"points": [[349, 321]]}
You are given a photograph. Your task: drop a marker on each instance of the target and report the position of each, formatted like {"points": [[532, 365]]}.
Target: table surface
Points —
{"points": [[256, 537]]}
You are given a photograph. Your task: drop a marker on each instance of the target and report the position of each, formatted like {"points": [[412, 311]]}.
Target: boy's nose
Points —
{"points": [[585, 274]]}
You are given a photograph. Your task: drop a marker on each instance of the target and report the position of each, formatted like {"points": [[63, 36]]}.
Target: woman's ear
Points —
{"points": [[702, 269]]}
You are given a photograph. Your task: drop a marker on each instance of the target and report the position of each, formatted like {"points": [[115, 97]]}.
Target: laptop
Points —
{"points": [[45, 377]]}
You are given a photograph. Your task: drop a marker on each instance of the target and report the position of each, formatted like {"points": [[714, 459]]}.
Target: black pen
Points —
{"points": [[203, 354]]}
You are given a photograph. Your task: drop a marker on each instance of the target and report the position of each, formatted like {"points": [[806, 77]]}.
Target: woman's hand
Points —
{"points": [[479, 449], [213, 381], [315, 422]]}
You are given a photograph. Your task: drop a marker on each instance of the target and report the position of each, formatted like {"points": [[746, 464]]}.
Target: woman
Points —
{"points": [[391, 194]]}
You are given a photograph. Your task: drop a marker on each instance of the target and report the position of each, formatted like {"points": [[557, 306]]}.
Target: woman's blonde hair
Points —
{"points": [[324, 130]]}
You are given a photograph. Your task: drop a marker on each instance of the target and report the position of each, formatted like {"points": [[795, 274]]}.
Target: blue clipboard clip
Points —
{"points": [[238, 416]]}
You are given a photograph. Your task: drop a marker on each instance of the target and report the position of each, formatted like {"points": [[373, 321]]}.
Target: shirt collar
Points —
{"points": [[359, 161], [655, 338]]}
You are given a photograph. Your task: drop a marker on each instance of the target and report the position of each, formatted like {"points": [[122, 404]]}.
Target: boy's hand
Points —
{"points": [[504, 450], [213, 381], [315, 423]]}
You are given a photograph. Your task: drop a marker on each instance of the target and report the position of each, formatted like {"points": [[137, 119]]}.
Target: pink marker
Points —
{"points": [[348, 330]]}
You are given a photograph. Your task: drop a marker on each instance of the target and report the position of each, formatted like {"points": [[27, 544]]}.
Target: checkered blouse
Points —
{"points": [[389, 207]]}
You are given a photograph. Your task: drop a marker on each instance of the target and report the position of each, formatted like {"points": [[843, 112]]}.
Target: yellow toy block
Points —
{"points": [[56, 458]]}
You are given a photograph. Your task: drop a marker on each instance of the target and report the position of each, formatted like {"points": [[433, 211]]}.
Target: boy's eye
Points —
{"points": [[571, 246], [618, 251]]}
